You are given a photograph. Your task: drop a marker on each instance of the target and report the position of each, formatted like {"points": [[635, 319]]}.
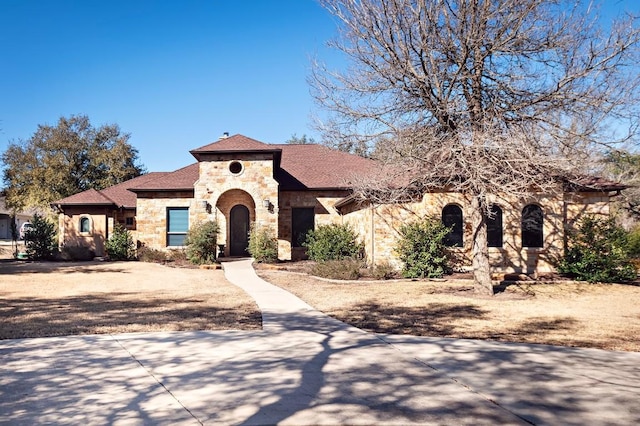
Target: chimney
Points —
{"points": [[224, 135]]}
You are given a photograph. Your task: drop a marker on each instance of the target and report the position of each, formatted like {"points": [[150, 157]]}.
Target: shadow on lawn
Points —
{"points": [[448, 320], [116, 312], [12, 267], [436, 319]]}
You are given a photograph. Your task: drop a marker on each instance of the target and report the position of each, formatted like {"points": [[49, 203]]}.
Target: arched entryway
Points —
{"points": [[239, 230]]}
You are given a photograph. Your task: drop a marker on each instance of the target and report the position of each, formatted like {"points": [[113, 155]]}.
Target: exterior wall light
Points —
{"points": [[266, 203]]}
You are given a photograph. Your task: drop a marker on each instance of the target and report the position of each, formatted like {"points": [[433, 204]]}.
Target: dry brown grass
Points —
{"points": [[41, 299], [603, 316]]}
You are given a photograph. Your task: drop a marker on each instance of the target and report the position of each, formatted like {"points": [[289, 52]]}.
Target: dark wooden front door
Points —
{"points": [[239, 230]]}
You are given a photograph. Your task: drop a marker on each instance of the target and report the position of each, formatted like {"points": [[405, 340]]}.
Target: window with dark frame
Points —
{"points": [[177, 225], [494, 227], [452, 218], [532, 225], [85, 225], [128, 221], [302, 221]]}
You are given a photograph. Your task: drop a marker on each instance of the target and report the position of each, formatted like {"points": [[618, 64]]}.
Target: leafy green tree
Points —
{"points": [[120, 245], [61, 160], [302, 140], [598, 251], [201, 242], [422, 250], [333, 242], [40, 238]]}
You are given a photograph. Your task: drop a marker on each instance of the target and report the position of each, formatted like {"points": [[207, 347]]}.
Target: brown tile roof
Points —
{"points": [[235, 143], [90, 196], [181, 180], [308, 166], [117, 195], [318, 167], [593, 184], [120, 193]]}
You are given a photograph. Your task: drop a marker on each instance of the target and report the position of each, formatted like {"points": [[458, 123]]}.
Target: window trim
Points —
{"points": [[459, 223], [172, 233], [539, 233], [89, 222], [232, 163]]}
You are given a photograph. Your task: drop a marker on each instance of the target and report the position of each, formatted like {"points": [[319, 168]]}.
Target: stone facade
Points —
{"points": [[321, 201], [239, 182], [379, 227], [151, 216]]}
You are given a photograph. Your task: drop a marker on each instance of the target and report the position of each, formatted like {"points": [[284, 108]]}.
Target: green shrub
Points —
{"points": [[383, 271], [343, 269], [333, 242], [422, 250], [146, 254], [263, 246], [77, 253], [598, 251], [634, 242], [40, 239], [201, 242], [120, 245]]}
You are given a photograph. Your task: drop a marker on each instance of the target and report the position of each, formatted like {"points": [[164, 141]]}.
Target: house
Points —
{"points": [[291, 189], [5, 219]]}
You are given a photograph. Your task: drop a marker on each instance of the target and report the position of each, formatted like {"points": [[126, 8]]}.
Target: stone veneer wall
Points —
{"points": [[151, 216], [222, 190], [321, 201], [379, 228]]}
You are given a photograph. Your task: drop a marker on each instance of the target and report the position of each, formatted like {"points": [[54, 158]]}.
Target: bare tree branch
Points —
{"points": [[481, 97]]}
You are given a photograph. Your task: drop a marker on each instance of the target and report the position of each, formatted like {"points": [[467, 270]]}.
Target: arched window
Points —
{"points": [[452, 218], [85, 225], [494, 227], [531, 226]]}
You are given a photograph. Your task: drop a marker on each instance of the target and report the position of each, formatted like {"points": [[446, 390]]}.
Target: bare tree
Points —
{"points": [[482, 97]]}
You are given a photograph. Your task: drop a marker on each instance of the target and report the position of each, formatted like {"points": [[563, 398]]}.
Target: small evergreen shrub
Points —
{"points": [[333, 242], [146, 254], [343, 269], [120, 245], [263, 246], [81, 253], [422, 250], [598, 251], [40, 239], [201, 242]]}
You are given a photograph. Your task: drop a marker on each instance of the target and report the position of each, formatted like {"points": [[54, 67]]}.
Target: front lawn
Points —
{"points": [[605, 316], [39, 299]]}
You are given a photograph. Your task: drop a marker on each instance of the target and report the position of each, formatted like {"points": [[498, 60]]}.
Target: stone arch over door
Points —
{"points": [[235, 226]]}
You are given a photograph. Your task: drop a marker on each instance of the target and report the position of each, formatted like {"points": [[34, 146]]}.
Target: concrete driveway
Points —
{"points": [[307, 368]]}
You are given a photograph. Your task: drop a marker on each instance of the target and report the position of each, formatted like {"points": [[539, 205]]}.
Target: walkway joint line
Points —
{"points": [[150, 373]]}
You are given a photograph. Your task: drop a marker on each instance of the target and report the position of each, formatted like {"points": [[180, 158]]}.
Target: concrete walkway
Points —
{"points": [[306, 368]]}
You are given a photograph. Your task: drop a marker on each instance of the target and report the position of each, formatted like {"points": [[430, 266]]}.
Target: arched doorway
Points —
{"points": [[238, 230]]}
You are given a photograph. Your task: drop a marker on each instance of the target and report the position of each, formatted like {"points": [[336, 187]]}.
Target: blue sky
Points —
{"points": [[173, 74]]}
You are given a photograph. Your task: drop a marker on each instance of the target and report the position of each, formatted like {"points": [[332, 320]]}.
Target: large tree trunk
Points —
{"points": [[481, 273]]}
